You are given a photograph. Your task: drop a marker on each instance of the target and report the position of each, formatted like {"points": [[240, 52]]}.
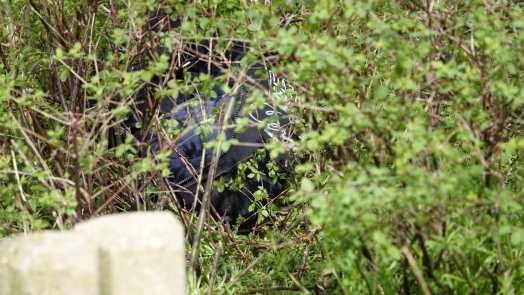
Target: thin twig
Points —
{"points": [[212, 276], [416, 270]]}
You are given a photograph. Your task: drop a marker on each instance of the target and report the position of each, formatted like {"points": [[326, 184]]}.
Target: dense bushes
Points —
{"points": [[422, 120], [411, 135]]}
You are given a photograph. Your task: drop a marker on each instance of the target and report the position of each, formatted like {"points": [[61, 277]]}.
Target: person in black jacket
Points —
{"points": [[190, 148]]}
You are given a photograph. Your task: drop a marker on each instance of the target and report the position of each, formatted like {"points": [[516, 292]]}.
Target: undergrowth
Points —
{"points": [[409, 174]]}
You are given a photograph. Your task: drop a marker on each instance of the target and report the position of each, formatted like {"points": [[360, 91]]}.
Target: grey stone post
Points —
{"points": [[139, 253], [49, 263], [125, 254]]}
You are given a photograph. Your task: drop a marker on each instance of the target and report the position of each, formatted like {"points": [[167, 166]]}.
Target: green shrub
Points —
{"points": [[416, 116], [411, 136]]}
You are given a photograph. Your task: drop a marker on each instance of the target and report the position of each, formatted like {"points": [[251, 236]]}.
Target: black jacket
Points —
{"points": [[187, 150]]}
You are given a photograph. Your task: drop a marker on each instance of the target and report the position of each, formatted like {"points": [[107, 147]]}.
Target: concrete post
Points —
{"points": [[126, 254], [50, 263], [139, 253]]}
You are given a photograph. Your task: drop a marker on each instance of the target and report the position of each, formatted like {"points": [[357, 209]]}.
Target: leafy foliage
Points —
{"points": [[411, 135]]}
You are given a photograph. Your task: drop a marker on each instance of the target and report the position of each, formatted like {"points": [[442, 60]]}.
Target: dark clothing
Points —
{"points": [[187, 150]]}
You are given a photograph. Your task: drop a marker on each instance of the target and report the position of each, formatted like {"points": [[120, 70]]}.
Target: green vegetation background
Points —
{"points": [[410, 113]]}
